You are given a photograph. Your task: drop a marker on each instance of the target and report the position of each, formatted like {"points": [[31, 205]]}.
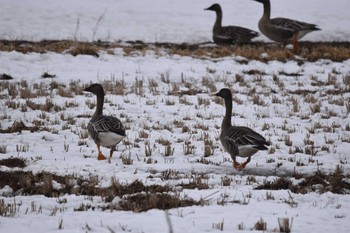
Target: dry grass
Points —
{"points": [[8, 209], [318, 182], [63, 46], [311, 51], [18, 126], [260, 225], [136, 196]]}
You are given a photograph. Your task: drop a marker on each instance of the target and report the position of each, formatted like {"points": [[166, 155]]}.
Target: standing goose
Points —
{"points": [[238, 140], [281, 29], [106, 131], [229, 34]]}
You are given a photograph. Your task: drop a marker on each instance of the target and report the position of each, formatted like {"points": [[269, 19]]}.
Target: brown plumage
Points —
{"points": [[106, 131], [281, 29], [238, 141], [229, 34]]}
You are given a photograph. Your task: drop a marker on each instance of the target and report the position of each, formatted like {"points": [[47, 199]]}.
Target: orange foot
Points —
{"points": [[240, 166], [101, 156]]}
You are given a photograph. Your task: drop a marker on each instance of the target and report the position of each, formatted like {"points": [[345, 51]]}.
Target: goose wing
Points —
{"points": [[293, 25], [236, 137], [106, 124], [236, 33]]}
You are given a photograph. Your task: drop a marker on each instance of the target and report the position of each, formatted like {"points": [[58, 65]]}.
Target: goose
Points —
{"points": [[238, 141], [283, 30], [105, 131], [229, 34]]}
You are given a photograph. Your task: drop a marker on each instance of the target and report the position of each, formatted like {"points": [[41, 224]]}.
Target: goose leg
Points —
{"points": [[295, 42], [111, 152], [100, 155], [239, 166], [236, 164]]}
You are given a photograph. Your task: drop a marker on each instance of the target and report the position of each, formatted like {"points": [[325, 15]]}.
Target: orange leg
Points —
{"points": [[295, 42], [100, 155], [111, 153], [240, 166]]}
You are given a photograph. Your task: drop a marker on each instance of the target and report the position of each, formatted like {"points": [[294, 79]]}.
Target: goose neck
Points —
{"points": [[99, 104], [267, 10], [218, 21], [227, 119]]}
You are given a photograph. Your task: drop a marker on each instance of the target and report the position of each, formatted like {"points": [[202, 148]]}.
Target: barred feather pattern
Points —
{"points": [[293, 25], [232, 34], [242, 141], [105, 124]]}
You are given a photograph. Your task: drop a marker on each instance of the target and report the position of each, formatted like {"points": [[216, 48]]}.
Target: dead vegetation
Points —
{"points": [[59, 46], [319, 182], [310, 51], [19, 126], [134, 196]]}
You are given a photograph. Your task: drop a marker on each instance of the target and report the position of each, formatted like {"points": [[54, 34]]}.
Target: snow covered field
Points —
{"points": [[302, 108], [155, 20]]}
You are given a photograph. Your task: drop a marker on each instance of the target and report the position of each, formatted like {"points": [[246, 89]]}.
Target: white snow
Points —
{"points": [[58, 150], [159, 21]]}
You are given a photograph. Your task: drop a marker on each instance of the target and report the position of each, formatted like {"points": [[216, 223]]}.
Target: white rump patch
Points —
{"points": [[109, 139], [246, 151]]}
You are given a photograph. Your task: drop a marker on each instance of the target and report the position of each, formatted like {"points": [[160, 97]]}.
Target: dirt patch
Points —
{"points": [[146, 201], [13, 162], [5, 77]]}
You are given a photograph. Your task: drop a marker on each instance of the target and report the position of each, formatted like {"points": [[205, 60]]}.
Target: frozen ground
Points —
{"points": [[301, 108]]}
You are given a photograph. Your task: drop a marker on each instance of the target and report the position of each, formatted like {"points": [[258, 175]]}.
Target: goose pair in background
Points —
{"points": [[281, 30], [239, 141]]}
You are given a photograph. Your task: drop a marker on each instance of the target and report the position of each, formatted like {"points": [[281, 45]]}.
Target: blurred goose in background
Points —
{"points": [[106, 131], [229, 34], [281, 29], [238, 140]]}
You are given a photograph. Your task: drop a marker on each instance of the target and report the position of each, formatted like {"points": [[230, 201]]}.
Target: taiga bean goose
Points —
{"points": [[229, 34], [281, 29], [238, 140], [106, 131]]}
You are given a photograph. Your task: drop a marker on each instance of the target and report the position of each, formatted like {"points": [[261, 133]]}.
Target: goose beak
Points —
{"points": [[86, 91], [214, 94]]}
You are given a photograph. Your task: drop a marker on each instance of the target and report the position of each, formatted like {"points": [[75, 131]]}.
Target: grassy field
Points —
{"points": [[310, 51]]}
